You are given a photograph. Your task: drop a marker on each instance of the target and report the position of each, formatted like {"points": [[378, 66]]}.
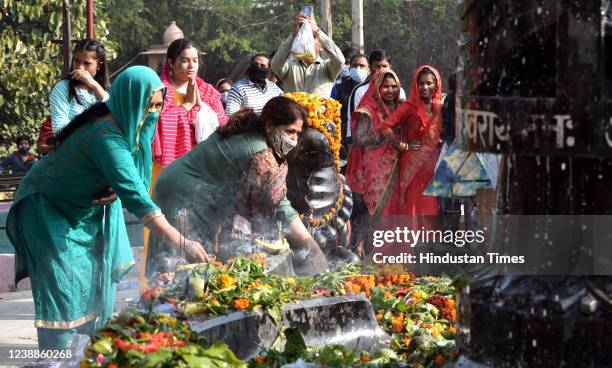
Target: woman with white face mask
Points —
{"points": [[239, 174], [223, 85]]}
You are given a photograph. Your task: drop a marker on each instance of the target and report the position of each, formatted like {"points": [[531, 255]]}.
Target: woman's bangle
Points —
{"points": [[150, 217]]}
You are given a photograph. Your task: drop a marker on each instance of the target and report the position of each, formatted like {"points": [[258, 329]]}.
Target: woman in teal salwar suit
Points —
{"points": [[72, 245]]}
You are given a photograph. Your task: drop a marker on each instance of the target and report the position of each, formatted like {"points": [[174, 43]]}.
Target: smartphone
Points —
{"points": [[306, 10]]}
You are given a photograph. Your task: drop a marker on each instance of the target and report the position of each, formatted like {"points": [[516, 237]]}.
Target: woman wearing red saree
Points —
{"points": [[420, 119], [372, 157]]}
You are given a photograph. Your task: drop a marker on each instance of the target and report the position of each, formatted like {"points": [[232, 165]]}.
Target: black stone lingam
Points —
{"points": [[534, 85]]}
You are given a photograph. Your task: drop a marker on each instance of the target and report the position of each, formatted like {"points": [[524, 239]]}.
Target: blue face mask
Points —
{"points": [[358, 75], [344, 72]]}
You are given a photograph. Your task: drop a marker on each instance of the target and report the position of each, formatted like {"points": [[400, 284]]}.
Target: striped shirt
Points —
{"points": [[64, 108], [175, 131], [245, 93]]}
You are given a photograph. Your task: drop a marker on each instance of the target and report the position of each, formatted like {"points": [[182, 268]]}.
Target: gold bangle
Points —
{"points": [[150, 217]]}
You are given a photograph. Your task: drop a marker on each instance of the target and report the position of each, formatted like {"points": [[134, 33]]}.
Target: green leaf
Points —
{"points": [[295, 345], [104, 346], [133, 354], [221, 355], [157, 359]]}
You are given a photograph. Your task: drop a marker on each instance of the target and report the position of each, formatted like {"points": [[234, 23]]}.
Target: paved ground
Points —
{"points": [[17, 318]]}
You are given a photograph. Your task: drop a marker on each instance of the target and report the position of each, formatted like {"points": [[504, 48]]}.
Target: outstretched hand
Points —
{"points": [[195, 252]]}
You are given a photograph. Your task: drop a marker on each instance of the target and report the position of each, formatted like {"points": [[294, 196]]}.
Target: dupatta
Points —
{"points": [[369, 168], [419, 126]]}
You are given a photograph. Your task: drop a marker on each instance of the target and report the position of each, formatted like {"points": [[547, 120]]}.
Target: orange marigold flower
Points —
{"points": [[452, 330], [397, 324], [450, 303], [259, 258], [241, 304], [439, 359], [407, 341], [144, 335], [260, 360], [364, 357]]}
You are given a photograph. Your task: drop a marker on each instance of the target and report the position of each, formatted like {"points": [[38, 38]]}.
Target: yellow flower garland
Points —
{"points": [[321, 112]]}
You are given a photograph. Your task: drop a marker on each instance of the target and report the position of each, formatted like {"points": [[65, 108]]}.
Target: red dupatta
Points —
{"points": [[175, 134], [368, 166], [416, 166]]}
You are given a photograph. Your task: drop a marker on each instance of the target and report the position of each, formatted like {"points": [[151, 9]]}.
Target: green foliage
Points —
{"points": [[415, 32], [32, 63]]}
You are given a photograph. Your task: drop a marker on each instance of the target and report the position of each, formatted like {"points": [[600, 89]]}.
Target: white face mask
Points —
{"points": [[344, 72], [282, 145], [358, 75]]}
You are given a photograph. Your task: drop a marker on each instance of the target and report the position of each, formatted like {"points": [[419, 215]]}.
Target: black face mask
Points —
{"points": [[257, 75], [24, 150]]}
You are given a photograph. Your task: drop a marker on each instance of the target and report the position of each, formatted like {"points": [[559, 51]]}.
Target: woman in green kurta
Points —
{"points": [[73, 246], [239, 170]]}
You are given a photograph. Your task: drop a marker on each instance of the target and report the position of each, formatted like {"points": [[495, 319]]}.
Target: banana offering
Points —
{"points": [[278, 246]]}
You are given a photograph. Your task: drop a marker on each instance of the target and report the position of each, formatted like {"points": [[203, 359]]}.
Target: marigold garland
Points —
{"points": [[322, 111], [324, 115]]}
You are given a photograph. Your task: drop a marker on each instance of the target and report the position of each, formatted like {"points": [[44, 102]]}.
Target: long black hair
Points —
{"points": [[89, 45], [92, 113], [278, 111]]}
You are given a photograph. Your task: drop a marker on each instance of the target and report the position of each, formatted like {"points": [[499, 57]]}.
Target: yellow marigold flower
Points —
{"points": [[165, 319], [225, 281], [419, 294]]}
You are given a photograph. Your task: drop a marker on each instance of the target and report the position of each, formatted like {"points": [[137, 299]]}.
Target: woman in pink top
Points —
{"points": [[186, 96]]}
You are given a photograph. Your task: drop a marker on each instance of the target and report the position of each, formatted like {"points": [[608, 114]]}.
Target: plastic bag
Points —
{"points": [[303, 47], [206, 123]]}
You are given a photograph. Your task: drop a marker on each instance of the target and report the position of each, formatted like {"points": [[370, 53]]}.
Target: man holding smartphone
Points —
{"points": [[296, 75]]}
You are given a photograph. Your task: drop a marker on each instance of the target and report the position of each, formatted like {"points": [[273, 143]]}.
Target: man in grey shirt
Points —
{"points": [[318, 77]]}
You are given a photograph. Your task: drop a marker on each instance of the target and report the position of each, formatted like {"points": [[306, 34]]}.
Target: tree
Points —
{"points": [[415, 32], [32, 62]]}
